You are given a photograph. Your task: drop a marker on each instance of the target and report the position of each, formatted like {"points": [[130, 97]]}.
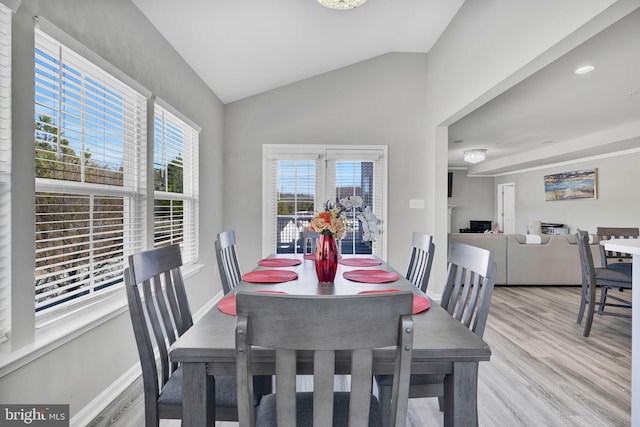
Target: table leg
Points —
{"points": [[635, 341], [197, 389], [461, 395]]}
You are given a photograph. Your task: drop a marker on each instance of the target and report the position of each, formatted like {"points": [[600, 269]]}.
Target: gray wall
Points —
{"points": [[617, 205], [473, 198], [488, 47], [79, 370], [379, 101]]}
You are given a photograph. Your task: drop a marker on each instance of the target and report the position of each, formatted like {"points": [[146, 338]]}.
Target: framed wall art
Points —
{"points": [[580, 184]]}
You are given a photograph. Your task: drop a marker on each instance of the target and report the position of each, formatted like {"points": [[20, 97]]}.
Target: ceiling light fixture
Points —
{"points": [[341, 4], [584, 70], [474, 156]]}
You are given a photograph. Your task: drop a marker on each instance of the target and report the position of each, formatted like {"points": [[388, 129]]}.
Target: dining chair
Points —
{"points": [[320, 326], [159, 314], [612, 259], [225, 246], [422, 252], [309, 239], [607, 279], [467, 293]]}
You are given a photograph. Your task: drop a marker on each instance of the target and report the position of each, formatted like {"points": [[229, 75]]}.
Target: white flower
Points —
{"points": [[369, 224], [351, 202]]}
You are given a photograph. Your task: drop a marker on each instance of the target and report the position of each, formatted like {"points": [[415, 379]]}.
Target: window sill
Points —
{"points": [[71, 326]]}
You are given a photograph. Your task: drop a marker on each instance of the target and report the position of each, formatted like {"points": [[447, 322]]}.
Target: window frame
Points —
{"points": [[134, 152], [190, 195], [6, 18], [323, 154]]}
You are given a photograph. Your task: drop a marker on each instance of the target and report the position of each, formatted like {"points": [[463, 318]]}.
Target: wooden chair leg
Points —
{"points": [[603, 299], [590, 313], [583, 303], [384, 396]]}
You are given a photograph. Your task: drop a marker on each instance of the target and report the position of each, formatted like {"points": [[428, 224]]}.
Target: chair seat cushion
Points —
{"points": [[226, 394], [613, 275], [266, 412], [387, 380], [623, 267]]}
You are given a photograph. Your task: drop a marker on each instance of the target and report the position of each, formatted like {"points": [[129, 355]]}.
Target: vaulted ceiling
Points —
{"points": [[241, 50]]}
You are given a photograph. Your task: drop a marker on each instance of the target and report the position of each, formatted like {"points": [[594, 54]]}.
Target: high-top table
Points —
{"points": [[441, 345], [632, 246]]}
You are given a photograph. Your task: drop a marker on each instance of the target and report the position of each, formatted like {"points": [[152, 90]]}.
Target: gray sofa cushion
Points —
{"points": [[522, 238], [497, 243]]}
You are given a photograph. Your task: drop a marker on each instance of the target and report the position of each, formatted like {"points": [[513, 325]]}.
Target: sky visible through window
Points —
{"points": [[297, 177]]}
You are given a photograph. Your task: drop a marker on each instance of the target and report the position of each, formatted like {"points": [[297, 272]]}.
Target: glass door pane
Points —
{"points": [[295, 202], [355, 178]]}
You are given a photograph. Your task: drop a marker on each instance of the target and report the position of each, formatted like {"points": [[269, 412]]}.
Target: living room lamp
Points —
{"points": [[474, 156], [341, 4]]}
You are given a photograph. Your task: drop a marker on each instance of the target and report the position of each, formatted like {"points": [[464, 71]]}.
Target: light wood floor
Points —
{"points": [[542, 372]]}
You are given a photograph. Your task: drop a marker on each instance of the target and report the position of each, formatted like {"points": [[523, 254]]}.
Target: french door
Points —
{"points": [[300, 179]]}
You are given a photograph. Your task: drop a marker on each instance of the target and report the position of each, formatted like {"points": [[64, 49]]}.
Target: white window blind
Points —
{"points": [[90, 149], [175, 171], [300, 179], [358, 173], [5, 173], [295, 201]]}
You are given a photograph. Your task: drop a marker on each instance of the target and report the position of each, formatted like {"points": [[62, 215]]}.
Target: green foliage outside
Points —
{"points": [[289, 204]]}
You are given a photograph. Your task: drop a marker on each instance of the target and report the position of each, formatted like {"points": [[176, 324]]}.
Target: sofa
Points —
{"points": [[522, 260], [497, 243]]}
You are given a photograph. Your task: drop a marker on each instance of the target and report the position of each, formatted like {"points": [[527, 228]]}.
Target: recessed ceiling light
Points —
{"points": [[584, 70]]}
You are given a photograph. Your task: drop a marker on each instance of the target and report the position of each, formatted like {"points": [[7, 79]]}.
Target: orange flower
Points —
{"points": [[326, 216], [318, 224], [329, 222]]}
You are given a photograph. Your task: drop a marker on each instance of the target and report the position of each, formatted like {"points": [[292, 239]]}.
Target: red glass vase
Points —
{"points": [[326, 258]]}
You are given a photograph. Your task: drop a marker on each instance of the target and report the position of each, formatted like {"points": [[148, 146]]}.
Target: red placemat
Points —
{"points": [[420, 303], [279, 262], [269, 276], [227, 305], [360, 262], [371, 276]]}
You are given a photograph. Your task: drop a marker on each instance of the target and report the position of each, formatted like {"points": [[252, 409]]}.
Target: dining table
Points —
{"points": [[632, 247], [441, 343]]}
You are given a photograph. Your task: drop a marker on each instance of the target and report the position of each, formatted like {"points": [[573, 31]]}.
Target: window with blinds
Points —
{"points": [[175, 172], [90, 156], [295, 199], [5, 172], [300, 179], [354, 178]]}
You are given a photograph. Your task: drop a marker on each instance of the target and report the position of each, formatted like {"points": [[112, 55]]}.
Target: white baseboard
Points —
{"points": [[97, 405], [104, 399]]}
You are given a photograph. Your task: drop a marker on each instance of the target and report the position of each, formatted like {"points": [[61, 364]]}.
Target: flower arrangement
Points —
{"points": [[333, 221]]}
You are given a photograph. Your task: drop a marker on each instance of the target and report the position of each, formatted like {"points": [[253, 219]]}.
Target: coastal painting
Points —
{"points": [[580, 184]]}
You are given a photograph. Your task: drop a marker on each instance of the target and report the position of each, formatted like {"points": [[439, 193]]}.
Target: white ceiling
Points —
{"points": [[240, 50], [546, 117]]}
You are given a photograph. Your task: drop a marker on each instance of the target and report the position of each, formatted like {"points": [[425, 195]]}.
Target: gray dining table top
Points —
{"points": [[439, 339]]}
